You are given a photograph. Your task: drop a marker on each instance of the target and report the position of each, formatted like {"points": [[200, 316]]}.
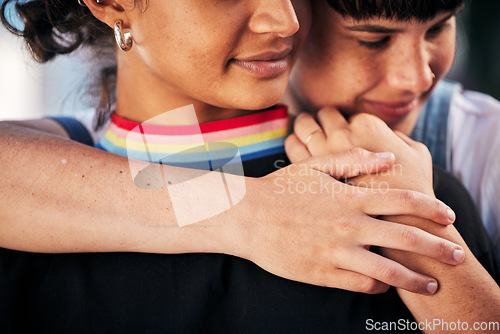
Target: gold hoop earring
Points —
{"points": [[81, 3], [123, 39], [433, 75]]}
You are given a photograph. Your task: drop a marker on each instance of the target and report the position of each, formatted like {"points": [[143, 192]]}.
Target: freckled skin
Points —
{"points": [[336, 70]]}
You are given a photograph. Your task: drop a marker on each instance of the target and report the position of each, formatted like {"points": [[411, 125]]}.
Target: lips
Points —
{"points": [[393, 109], [268, 64]]}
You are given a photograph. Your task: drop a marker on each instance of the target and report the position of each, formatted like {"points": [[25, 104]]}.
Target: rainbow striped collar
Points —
{"points": [[200, 146]]}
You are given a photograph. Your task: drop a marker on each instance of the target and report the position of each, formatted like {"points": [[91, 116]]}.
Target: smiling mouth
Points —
{"points": [[394, 109], [269, 64]]}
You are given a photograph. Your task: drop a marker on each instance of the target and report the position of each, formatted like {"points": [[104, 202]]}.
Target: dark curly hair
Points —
{"points": [[403, 10], [57, 27]]}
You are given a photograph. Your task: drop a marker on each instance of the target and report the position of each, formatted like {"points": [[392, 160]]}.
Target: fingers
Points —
{"points": [[337, 129], [404, 138], [390, 272], [306, 130], [295, 149], [414, 240], [351, 163], [335, 138], [391, 202], [417, 146]]}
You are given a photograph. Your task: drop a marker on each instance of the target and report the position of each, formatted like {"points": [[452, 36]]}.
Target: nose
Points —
{"points": [[409, 68], [276, 17]]}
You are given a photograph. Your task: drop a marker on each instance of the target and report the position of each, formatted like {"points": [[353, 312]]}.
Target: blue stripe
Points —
{"points": [[203, 159]]}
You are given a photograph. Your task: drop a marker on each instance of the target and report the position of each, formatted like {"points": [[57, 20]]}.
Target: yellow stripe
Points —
{"points": [[164, 148]]}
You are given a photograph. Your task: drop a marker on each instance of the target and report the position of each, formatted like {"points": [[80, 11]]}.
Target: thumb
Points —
{"points": [[351, 163]]}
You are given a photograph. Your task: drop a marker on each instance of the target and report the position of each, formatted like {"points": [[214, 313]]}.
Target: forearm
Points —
{"points": [[60, 196]]}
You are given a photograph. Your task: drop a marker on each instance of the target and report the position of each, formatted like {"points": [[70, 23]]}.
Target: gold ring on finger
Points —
{"points": [[308, 139]]}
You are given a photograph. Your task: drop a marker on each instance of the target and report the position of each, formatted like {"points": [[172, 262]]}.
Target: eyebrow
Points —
{"points": [[374, 28]]}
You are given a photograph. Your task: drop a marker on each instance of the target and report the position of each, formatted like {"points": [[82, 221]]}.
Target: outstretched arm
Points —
{"points": [[61, 196], [466, 293]]}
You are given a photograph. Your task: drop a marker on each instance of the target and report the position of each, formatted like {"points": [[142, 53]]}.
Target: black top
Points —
{"points": [[195, 293]]}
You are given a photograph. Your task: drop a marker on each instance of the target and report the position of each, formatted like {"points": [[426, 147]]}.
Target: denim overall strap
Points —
{"points": [[75, 129], [432, 124]]}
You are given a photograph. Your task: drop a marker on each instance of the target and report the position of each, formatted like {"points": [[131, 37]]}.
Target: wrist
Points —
{"points": [[227, 231]]}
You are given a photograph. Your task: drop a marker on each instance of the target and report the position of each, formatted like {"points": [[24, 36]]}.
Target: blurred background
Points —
{"points": [[30, 90]]}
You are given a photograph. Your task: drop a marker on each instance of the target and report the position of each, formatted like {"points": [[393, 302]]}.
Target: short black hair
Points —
{"points": [[401, 10]]}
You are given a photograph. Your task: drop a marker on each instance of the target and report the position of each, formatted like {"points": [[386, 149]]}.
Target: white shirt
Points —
{"points": [[474, 131]]}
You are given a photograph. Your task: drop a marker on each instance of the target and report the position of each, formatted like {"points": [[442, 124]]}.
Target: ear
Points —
{"points": [[110, 11]]}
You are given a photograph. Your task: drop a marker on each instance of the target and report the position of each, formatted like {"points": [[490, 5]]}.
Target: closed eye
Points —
{"points": [[436, 30], [374, 45], [439, 27]]}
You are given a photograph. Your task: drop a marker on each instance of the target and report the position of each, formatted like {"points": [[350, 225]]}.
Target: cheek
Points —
{"points": [[185, 43], [327, 76], [310, 82]]}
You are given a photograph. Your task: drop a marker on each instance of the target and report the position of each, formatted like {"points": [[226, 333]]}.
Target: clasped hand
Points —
{"points": [[328, 243]]}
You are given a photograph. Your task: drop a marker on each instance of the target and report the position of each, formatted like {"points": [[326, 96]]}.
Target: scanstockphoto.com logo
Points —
{"points": [[198, 194], [439, 325]]}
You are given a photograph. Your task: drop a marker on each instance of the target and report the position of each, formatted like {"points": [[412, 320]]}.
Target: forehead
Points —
{"points": [[392, 25], [400, 10]]}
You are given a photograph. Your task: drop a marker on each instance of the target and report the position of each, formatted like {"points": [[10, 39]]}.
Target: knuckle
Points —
{"points": [[409, 236], [415, 285], [439, 207], [420, 146], [409, 197], [363, 118], [422, 149], [356, 153], [367, 121], [442, 249], [388, 273], [345, 227]]}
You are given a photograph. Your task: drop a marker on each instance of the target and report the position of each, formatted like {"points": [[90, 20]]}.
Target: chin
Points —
{"points": [[262, 104], [264, 100]]}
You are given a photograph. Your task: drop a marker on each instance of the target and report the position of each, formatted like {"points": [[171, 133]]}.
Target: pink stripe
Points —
{"points": [[198, 139]]}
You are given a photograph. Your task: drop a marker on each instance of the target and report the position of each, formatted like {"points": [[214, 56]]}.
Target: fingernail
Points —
{"points": [[451, 215], [458, 255], [384, 155], [432, 287]]}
